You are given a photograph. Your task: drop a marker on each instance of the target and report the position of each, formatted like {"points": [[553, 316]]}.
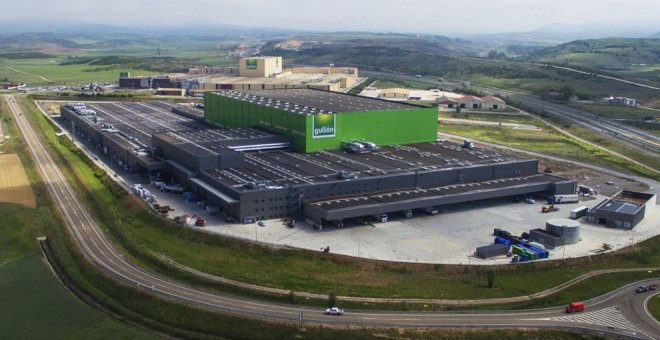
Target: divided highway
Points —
{"points": [[622, 305]]}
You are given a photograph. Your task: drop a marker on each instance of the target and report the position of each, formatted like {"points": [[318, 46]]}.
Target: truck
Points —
{"points": [[575, 307], [585, 190], [579, 212], [566, 199]]}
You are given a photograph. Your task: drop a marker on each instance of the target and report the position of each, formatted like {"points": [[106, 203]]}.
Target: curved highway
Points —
{"points": [[616, 313]]}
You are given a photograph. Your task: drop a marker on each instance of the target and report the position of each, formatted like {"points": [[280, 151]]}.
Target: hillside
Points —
{"points": [[617, 54]]}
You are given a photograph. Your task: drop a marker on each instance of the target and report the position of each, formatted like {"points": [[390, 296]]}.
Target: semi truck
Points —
{"points": [[558, 199], [575, 307], [579, 212]]}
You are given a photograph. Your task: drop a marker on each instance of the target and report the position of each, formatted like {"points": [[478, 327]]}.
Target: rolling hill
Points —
{"points": [[618, 54]]}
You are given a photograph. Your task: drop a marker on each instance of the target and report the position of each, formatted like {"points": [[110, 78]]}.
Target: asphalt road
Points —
{"points": [[622, 305]]}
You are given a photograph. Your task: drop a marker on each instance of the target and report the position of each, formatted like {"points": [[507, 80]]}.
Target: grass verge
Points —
{"points": [[654, 307]]}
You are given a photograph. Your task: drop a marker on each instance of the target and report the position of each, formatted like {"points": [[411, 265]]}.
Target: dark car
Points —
{"points": [[642, 289]]}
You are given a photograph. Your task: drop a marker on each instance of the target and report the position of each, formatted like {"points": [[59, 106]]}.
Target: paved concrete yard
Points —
{"points": [[449, 237]]}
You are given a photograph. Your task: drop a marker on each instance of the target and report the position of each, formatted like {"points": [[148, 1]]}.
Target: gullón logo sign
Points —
{"points": [[323, 125], [251, 64]]}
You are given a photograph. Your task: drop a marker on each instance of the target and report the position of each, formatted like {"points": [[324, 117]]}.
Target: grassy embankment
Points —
{"points": [[628, 115], [301, 270], [551, 142], [34, 304], [654, 307], [184, 321]]}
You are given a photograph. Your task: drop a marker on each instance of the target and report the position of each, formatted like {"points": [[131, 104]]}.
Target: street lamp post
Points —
{"points": [[633, 239]]}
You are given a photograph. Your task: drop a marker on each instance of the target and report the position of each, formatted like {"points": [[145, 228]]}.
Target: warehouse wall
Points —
{"points": [[228, 112], [381, 127]]}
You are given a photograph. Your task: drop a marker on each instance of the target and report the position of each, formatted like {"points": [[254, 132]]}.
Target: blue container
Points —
{"points": [[524, 258], [543, 253], [503, 241]]}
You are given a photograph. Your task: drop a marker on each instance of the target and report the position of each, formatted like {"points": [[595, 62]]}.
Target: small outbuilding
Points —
{"points": [[493, 103], [620, 214], [492, 250], [470, 102]]}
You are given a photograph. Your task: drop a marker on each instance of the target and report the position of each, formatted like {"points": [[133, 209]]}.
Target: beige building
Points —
{"points": [[493, 103], [259, 66], [446, 103], [471, 103], [350, 71], [394, 93]]}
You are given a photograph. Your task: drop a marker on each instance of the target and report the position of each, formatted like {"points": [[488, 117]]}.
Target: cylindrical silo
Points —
{"points": [[568, 230]]}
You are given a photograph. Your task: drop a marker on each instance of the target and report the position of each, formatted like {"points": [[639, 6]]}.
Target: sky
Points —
{"points": [[420, 16]]}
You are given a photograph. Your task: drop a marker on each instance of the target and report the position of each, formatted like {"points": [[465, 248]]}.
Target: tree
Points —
{"points": [[332, 300], [568, 92], [491, 278]]}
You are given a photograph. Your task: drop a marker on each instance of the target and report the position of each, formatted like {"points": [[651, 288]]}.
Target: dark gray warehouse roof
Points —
{"points": [[310, 101], [619, 207]]}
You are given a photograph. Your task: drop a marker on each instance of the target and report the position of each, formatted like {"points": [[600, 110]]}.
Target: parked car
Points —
{"points": [[334, 311], [261, 224]]}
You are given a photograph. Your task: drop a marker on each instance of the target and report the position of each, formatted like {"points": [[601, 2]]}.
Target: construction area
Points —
{"points": [[235, 168]]}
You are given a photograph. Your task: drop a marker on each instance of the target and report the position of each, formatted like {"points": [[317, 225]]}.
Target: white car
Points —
{"points": [[334, 311]]}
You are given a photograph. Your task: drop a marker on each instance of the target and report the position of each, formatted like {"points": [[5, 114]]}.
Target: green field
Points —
{"points": [[56, 74], [36, 306], [654, 307], [615, 112]]}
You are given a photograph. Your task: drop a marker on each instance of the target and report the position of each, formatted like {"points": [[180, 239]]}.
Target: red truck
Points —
{"points": [[575, 307]]}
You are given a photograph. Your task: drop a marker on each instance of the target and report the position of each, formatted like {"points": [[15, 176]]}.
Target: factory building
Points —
{"points": [[259, 66], [280, 154], [320, 120], [148, 82], [624, 211]]}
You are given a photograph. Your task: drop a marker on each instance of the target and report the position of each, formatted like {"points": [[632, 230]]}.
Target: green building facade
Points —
{"points": [[318, 132]]}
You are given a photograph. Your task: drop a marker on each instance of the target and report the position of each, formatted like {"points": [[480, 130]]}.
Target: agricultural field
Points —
{"points": [[615, 112], [14, 184], [36, 72], [36, 306]]}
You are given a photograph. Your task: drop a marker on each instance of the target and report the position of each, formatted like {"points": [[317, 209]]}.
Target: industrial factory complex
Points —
{"points": [[306, 154], [254, 73]]}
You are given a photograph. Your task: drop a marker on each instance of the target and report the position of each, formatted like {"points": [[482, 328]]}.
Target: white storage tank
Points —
{"points": [[567, 229]]}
